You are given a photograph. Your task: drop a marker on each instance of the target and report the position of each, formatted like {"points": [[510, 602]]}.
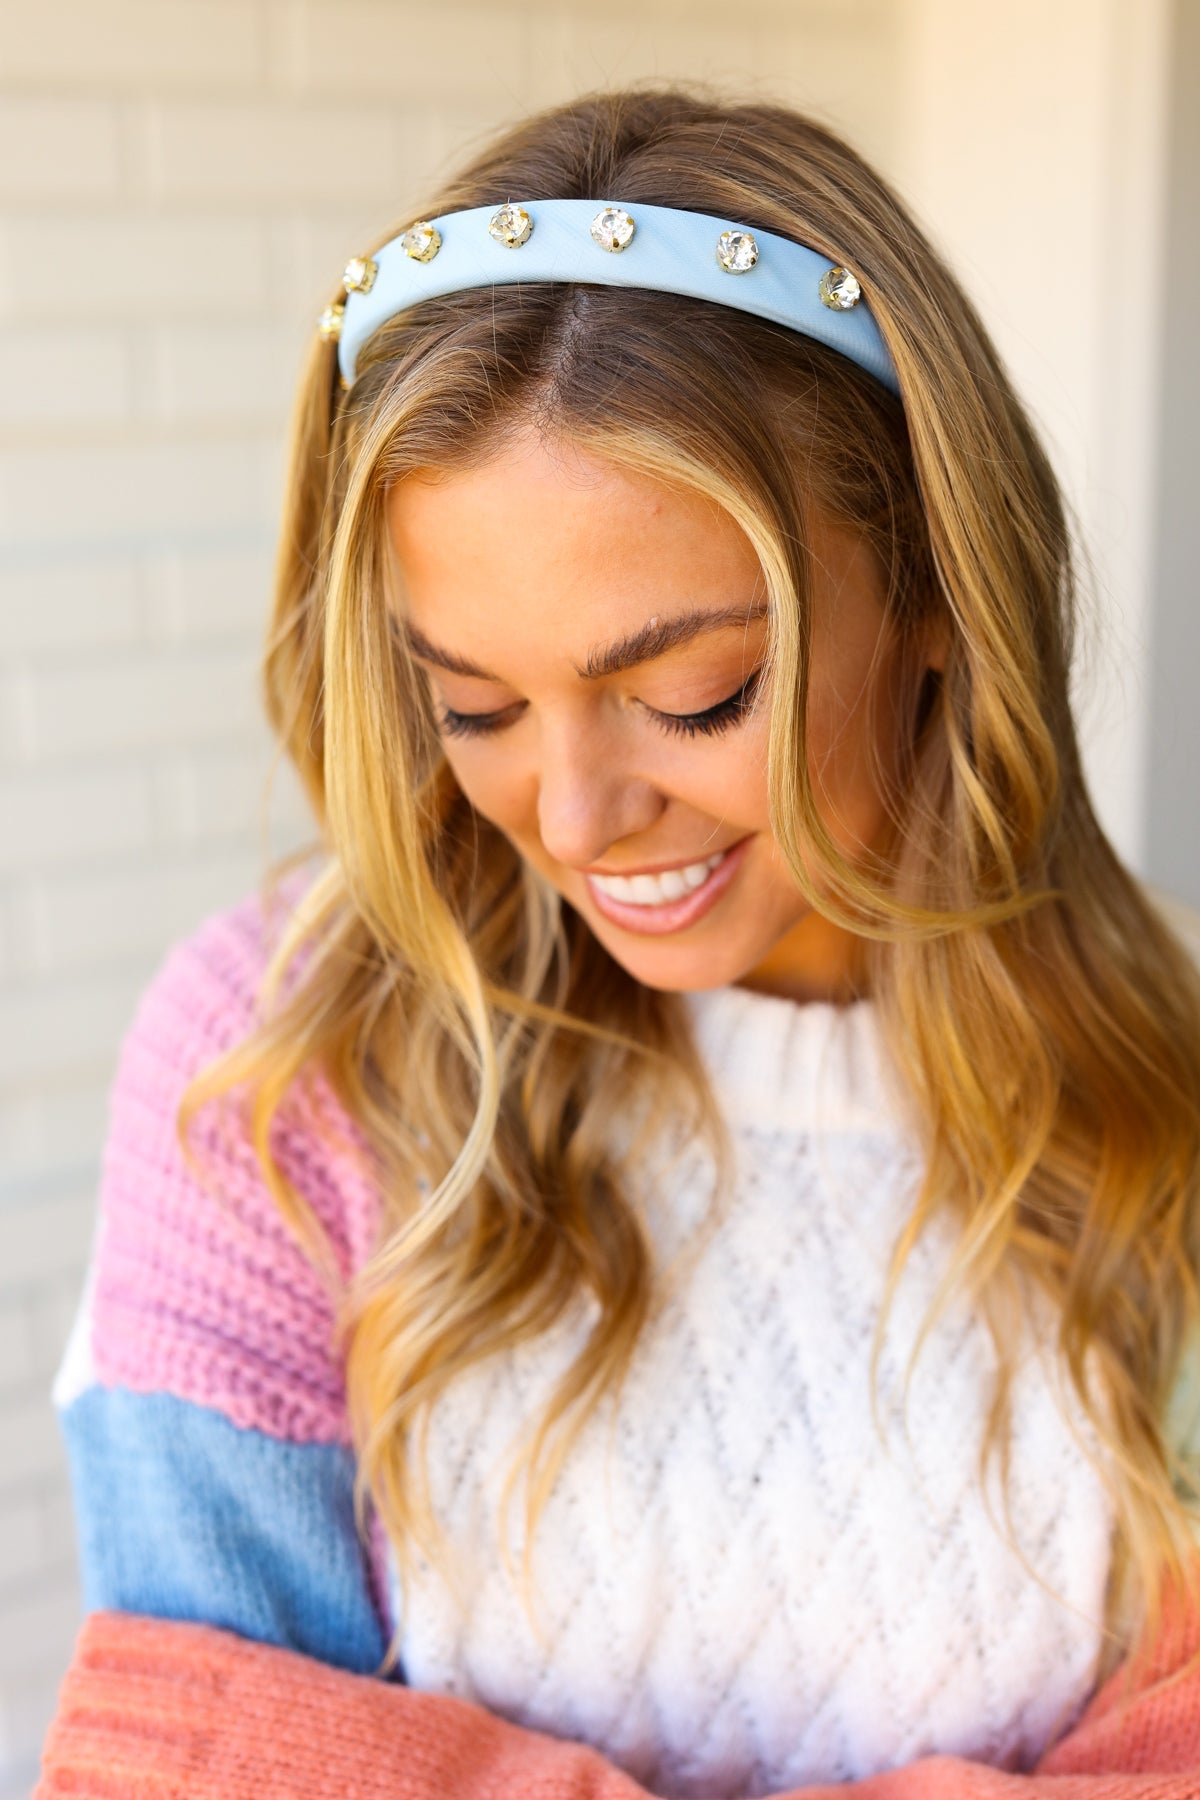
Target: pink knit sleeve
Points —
{"points": [[204, 1384], [211, 1298]]}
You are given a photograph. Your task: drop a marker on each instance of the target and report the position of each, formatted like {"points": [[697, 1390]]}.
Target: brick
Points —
{"points": [[134, 491], [130, 44], [58, 1129], [49, 819], [219, 793], [14, 715], [23, 953], [144, 702], [37, 1625], [20, 1537], [309, 253], [583, 51], [26, 1709], [47, 1236], [23, 958], [59, 1538], [236, 371], [52, 148], [68, 605], [52, 1308], [137, 268], [451, 129], [63, 377], [30, 1702], [69, 1030], [31, 1447], [17, 1364], [370, 47], [103, 916], [244, 154], [210, 594], [768, 13]]}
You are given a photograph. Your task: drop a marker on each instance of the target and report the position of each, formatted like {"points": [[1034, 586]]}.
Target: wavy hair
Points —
{"points": [[1044, 1015]]}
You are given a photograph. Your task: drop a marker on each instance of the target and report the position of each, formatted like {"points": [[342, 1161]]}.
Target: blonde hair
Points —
{"points": [[1045, 1017]]}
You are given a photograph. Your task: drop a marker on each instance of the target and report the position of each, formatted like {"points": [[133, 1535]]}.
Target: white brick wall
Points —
{"points": [[180, 182]]}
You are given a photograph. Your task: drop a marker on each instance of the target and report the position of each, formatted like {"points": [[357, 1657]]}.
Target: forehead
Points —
{"points": [[555, 532]]}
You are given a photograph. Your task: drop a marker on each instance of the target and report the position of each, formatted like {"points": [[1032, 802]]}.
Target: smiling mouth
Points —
{"points": [[657, 890]]}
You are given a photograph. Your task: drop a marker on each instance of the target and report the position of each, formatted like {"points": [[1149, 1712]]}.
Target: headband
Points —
{"points": [[661, 247]]}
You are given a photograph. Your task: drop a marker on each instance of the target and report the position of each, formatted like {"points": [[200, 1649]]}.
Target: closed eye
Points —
{"points": [[721, 717]]}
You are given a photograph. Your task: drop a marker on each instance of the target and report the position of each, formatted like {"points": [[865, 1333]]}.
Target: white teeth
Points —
{"points": [[656, 890]]}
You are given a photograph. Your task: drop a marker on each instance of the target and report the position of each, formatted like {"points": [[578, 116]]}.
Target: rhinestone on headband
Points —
{"points": [[839, 289], [612, 228], [736, 251], [512, 225], [358, 277], [330, 322], [421, 241]]}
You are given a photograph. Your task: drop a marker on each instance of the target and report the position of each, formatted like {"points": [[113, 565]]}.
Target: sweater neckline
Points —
{"points": [[777, 1062]]}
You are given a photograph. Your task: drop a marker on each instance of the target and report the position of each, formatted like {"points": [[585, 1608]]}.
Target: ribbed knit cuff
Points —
{"points": [[157, 1710]]}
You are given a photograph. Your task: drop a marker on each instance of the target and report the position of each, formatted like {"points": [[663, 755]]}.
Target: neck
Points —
{"points": [[816, 960]]}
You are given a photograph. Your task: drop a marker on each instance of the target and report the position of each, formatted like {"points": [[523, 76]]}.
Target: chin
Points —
{"points": [[678, 969]]}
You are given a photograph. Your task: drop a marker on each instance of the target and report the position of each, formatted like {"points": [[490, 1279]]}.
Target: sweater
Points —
{"points": [[742, 1588]]}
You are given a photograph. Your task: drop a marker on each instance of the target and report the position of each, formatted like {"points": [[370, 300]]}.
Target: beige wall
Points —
{"points": [[1173, 759], [181, 182], [1033, 139]]}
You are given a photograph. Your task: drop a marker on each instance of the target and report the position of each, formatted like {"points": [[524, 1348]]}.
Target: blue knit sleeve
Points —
{"points": [[201, 1396], [181, 1514]]}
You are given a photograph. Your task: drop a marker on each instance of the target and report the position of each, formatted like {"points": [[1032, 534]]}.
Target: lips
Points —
{"points": [[653, 890], [651, 908]]}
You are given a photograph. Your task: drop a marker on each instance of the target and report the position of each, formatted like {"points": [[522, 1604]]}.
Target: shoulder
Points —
{"points": [[198, 1287]]}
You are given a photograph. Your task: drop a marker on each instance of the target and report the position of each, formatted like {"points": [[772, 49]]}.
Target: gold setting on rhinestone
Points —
{"points": [[421, 241], [839, 289], [613, 228], [359, 275], [330, 322], [737, 252], [511, 226]]}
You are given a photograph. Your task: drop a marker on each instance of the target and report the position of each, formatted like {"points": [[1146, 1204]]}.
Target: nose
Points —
{"points": [[589, 799]]}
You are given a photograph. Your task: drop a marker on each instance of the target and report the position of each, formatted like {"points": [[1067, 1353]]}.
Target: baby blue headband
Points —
{"points": [[659, 247]]}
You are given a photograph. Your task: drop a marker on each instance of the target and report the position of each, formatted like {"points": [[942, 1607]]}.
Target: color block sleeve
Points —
{"points": [[162, 1710], [200, 1396]]}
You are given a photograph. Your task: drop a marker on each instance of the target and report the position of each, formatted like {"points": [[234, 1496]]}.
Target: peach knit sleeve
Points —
{"points": [[158, 1710]]}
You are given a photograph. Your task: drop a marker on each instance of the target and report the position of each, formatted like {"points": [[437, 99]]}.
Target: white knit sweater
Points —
{"points": [[738, 1588]]}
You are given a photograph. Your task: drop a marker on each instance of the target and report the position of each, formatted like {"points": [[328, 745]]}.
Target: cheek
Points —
{"points": [[844, 742], [731, 785], [493, 784], [729, 778]]}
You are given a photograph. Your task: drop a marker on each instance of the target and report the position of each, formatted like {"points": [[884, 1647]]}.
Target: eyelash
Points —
{"points": [[721, 717]]}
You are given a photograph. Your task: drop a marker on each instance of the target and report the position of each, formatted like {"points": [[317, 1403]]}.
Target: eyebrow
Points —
{"points": [[652, 640]]}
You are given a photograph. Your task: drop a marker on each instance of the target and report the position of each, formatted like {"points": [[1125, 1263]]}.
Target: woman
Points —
{"points": [[711, 1177]]}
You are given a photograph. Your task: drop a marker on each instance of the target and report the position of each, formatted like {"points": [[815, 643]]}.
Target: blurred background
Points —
{"points": [[181, 182]]}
